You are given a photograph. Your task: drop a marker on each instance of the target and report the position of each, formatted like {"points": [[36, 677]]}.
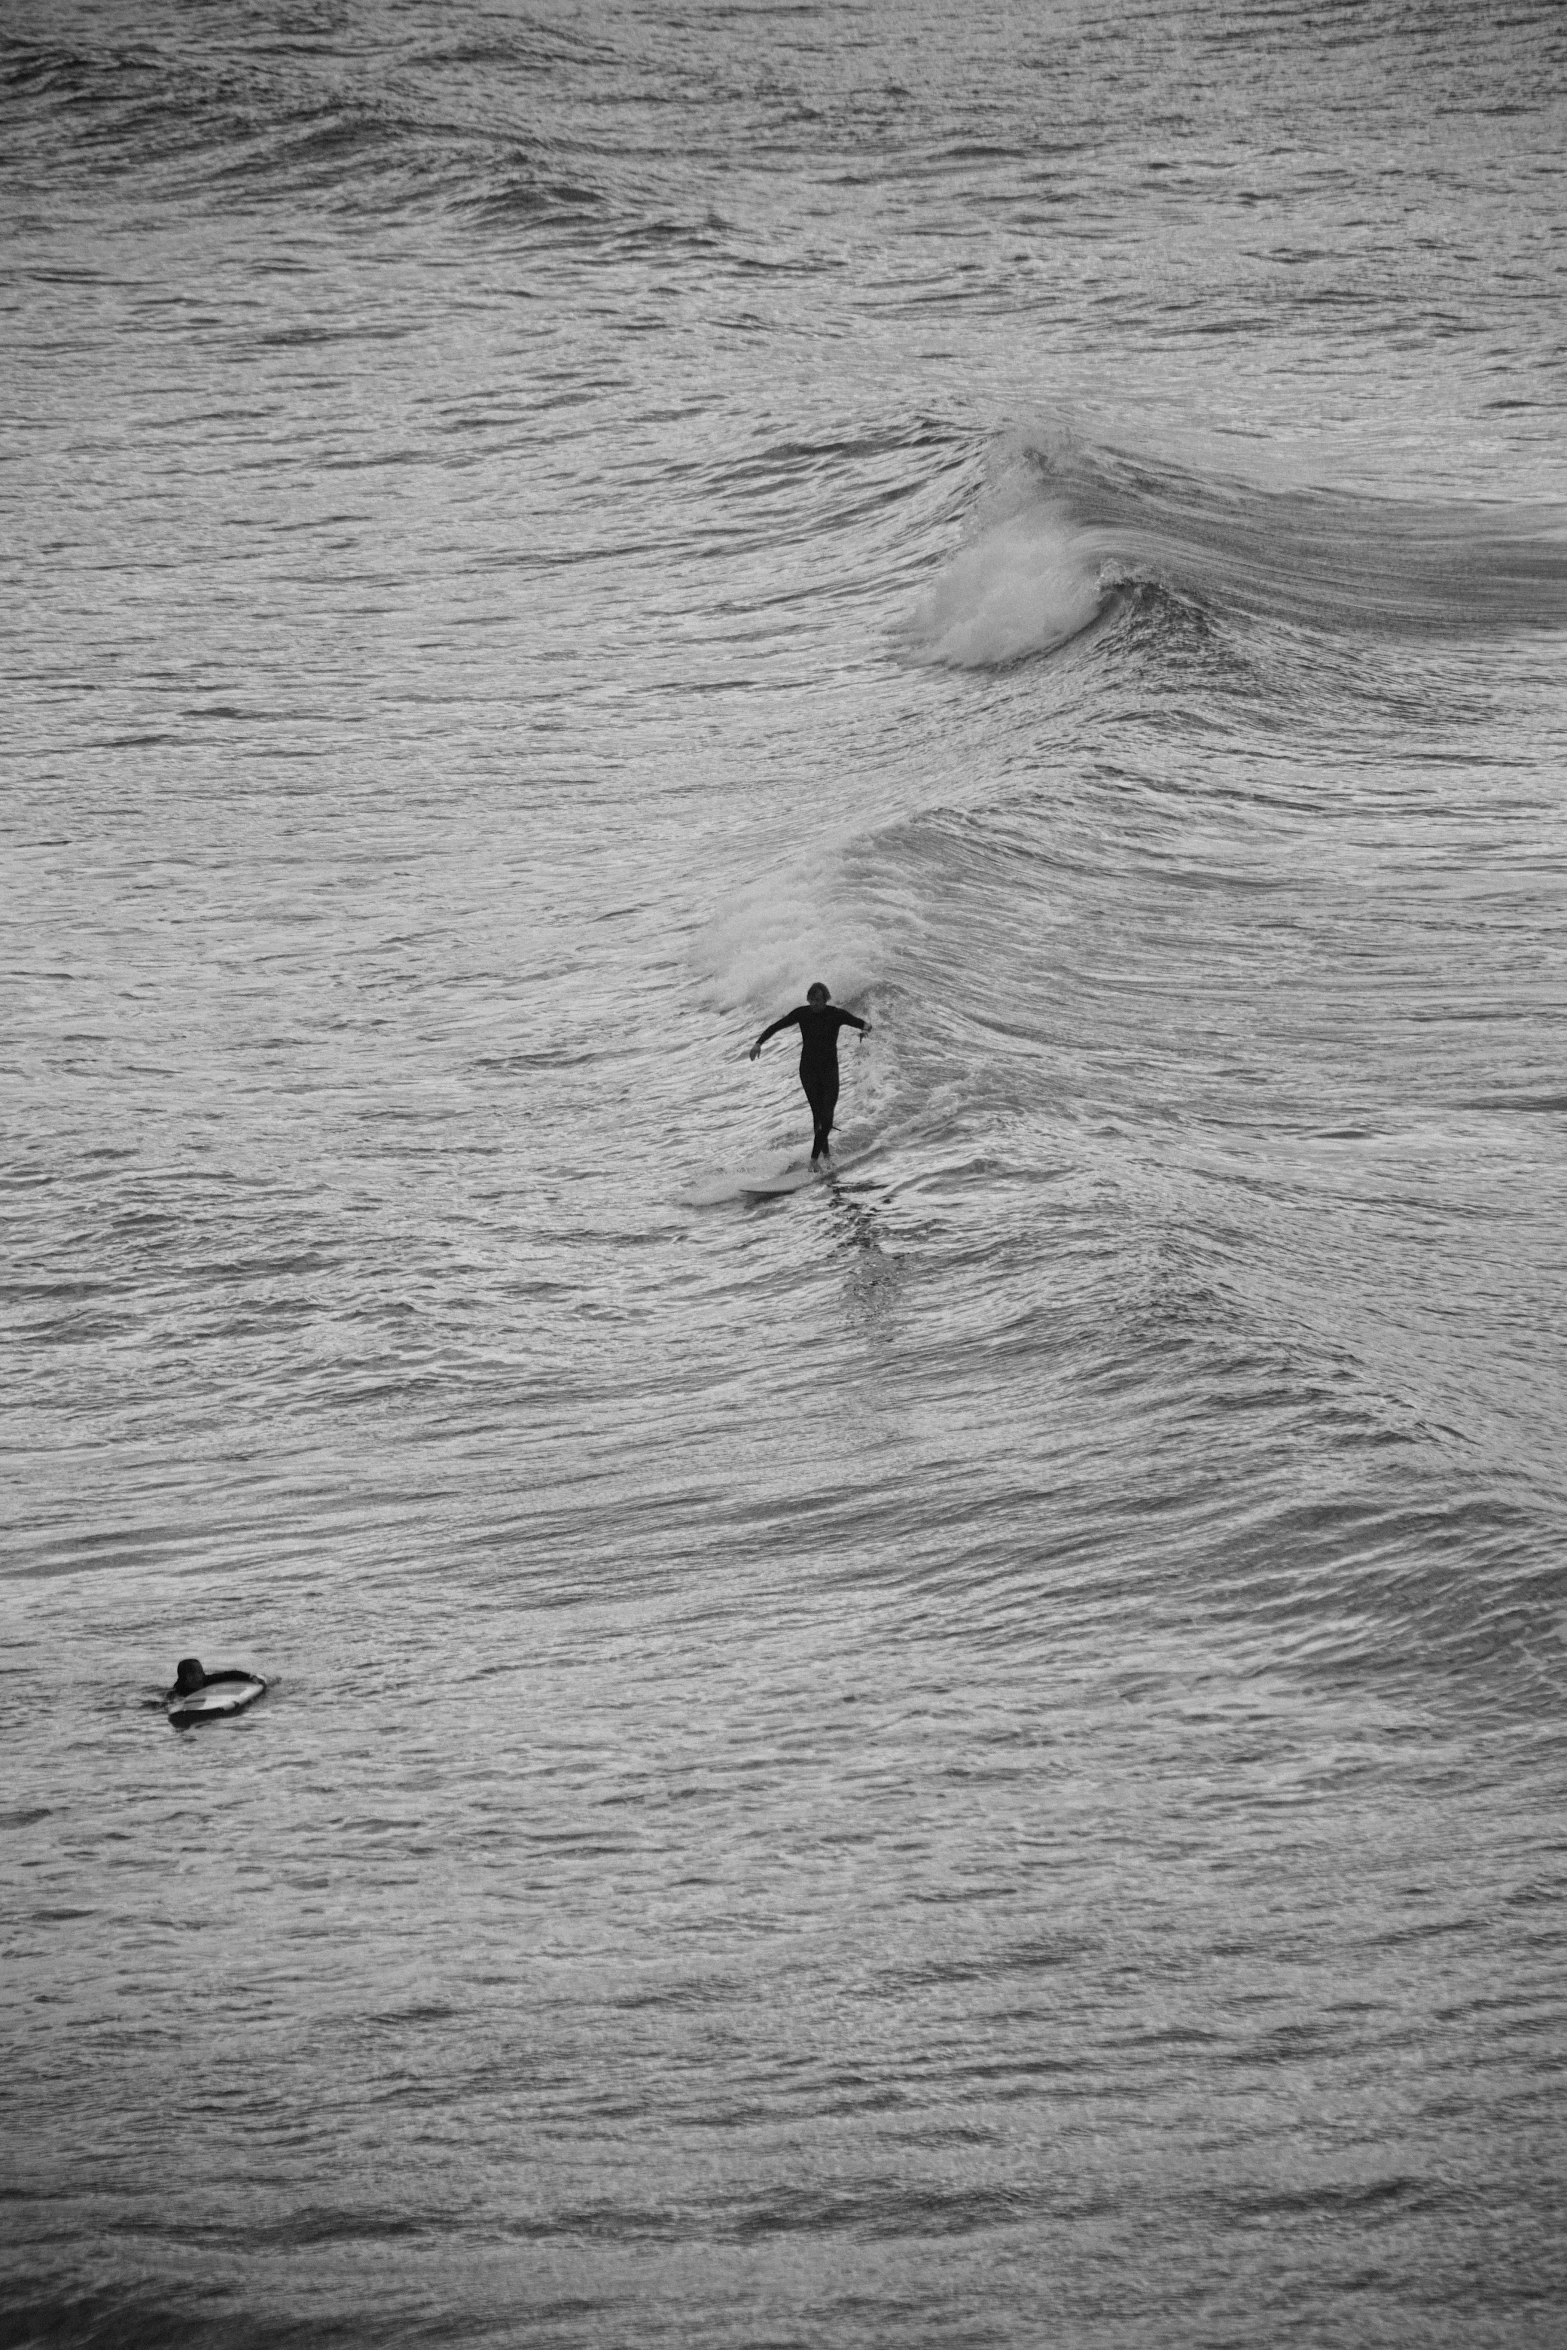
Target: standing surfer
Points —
{"points": [[818, 1021]]}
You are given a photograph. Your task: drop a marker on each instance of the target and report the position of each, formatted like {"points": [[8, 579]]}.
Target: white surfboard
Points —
{"points": [[219, 1694], [768, 1179], [777, 1186]]}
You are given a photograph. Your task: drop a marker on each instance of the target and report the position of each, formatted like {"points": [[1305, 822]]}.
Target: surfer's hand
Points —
{"points": [[755, 1050]]}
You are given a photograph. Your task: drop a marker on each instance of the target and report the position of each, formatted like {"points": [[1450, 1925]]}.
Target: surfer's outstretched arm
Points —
{"points": [[787, 1021]]}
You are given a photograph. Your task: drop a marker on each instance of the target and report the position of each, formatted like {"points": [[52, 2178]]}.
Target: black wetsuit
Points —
{"points": [[818, 1025]]}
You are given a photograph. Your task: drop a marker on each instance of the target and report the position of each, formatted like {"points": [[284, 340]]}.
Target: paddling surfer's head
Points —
{"points": [[188, 1675], [817, 993]]}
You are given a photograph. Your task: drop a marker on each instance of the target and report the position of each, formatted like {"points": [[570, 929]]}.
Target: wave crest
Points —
{"points": [[1023, 585], [1067, 530]]}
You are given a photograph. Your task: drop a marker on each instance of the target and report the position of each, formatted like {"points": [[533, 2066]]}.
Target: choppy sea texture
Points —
{"points": [[972, 1754]]}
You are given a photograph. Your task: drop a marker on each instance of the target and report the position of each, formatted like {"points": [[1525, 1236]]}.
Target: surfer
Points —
{"points": [[200, 1696], [818, 1020]]}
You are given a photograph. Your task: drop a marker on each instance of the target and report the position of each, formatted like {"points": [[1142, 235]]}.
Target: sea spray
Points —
{"points": [[1022, 584], [794, 923]]}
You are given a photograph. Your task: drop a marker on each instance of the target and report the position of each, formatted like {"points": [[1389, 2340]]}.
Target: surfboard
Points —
{"points": [[766, 1180], [219, 1694], [778, 1186], [803, 1172]]}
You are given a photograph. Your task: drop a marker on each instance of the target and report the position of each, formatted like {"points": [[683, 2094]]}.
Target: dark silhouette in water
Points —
{"points": [[818, 1021]]}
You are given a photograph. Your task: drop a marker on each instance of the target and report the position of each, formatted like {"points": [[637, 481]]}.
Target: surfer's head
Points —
{"points": [[188, 1675], [816, 993]]}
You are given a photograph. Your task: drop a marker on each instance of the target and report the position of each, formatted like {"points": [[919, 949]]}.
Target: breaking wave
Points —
{"points": [[1065, 531]]}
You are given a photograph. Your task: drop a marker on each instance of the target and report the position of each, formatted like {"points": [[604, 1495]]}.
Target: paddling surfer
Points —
{"points": [[818, 1020]]}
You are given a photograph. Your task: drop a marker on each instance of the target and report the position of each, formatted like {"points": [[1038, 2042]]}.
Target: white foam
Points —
{"points": [[779, 933], [1025, 582]]}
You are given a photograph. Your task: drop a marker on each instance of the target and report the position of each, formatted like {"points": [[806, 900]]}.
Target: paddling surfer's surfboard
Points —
{"points": [[220, 1694]]}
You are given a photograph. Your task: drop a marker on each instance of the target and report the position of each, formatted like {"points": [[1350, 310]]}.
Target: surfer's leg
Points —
{"points": [[821, 1093]]}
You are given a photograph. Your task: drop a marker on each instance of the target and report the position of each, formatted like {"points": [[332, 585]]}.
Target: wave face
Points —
{"points": [[961, 1749], [1068, 533]]}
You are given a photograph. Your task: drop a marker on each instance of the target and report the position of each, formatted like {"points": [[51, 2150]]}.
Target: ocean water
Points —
{"points": [[973, 1754]]}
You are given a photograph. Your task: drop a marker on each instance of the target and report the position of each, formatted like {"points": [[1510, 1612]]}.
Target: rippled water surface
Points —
{"points": [[970, 1753]]}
